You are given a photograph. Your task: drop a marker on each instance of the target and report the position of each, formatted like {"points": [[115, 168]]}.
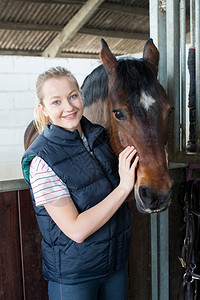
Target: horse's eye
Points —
{"points": [[170, 111], [119, 114]]}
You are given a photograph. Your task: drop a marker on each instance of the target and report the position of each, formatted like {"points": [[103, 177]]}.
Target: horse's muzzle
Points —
{"points": [[147, 201]]}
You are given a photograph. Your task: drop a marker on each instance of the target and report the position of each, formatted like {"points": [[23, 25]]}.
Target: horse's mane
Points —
{"points": [[95, 86], [132, 75]]}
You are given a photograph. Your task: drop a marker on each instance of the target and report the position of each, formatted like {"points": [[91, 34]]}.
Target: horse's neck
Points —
{"points": [[98, 112], [30, 135]]}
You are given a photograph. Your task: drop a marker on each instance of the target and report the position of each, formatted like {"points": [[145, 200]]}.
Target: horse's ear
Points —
{"points": [[108, 59], [151, 53]]}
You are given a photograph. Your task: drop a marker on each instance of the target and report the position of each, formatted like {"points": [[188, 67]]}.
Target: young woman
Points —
{"points": [[78, 195]]}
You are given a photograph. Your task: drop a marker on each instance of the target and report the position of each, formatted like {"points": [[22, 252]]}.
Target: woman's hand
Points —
{"points": [[127, 168]]}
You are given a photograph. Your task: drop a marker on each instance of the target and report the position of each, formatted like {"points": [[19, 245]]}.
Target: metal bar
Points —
{"points": [[154, 25], [183, 73], [197, 39], [159, 223], [158, 33], [192, 23], [163, 231], [173, 74], [154, 258]]}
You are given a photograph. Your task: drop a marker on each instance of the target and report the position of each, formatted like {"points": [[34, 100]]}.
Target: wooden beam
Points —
{"points": [[70, 2], [131, 10], [79, 55], [39, 53], [84, 30], [125, 9], [29, 27], [115, 34], [73, 26], [20, 52]]}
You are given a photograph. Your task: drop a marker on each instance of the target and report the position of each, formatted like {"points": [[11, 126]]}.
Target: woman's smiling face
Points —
{"points": [[62, 103]]}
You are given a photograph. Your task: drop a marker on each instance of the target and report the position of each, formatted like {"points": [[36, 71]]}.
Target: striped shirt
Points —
{"points": [[46, 185]]}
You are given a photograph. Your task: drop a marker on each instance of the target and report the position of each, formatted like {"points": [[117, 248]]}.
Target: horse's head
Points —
{"points": [[139, 110]]}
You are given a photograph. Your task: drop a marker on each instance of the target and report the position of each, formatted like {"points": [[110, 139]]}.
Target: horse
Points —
{"points": [[125, 97]]}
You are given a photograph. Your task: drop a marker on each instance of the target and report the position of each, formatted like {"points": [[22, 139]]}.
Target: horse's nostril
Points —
{"points": [[151, 200], [146, 194]]}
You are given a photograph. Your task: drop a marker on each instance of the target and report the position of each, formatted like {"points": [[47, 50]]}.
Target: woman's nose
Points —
{"points": [[67, 105]]}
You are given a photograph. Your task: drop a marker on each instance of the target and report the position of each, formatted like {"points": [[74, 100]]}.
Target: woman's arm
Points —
{"points": [[80, 226]]}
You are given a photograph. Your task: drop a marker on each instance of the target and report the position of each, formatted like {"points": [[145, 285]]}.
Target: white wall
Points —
{"points": [[18, 76]]}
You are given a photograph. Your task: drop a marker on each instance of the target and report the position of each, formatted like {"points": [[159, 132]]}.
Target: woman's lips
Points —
{"points": [[70, 116]]}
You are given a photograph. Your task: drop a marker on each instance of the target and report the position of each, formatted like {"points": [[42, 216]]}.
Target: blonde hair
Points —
{"points": [[56, 72]]}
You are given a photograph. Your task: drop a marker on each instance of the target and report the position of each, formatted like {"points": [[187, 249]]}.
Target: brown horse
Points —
{"points": [[125, 96]]}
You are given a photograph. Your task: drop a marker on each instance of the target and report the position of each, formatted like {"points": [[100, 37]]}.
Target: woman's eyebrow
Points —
{"points": [[54, 97], [72, 92]]}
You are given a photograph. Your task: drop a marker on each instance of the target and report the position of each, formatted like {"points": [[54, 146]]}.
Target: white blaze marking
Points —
{"points": [[146, 100]]}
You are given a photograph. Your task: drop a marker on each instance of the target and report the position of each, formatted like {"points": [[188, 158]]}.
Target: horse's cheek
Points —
{"points": [[123, 139]]}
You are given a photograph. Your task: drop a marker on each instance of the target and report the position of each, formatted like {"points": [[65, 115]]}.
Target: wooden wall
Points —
{"points": [[140, 257], [20, 259]]}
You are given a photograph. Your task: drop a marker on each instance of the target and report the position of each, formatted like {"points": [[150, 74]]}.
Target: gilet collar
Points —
{"points": [[62, 136]]}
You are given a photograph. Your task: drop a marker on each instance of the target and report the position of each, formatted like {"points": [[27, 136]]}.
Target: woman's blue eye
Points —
{"points": [[74, 96], [56, 102]]}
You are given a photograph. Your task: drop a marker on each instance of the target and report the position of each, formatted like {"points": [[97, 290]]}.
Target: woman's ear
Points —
{"points": [[43, 110]]}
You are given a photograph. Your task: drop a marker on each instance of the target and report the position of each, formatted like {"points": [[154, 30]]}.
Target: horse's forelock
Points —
{"points": [[136, 77]]}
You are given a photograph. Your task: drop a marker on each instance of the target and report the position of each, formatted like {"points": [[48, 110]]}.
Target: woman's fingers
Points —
{"points": [[128, 160], [126, 150], [130, 156], [126, 157], [135, 162], [127, 154]]}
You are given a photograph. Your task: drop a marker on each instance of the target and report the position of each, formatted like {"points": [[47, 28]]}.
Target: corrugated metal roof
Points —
{"points": [[30, 27]]}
